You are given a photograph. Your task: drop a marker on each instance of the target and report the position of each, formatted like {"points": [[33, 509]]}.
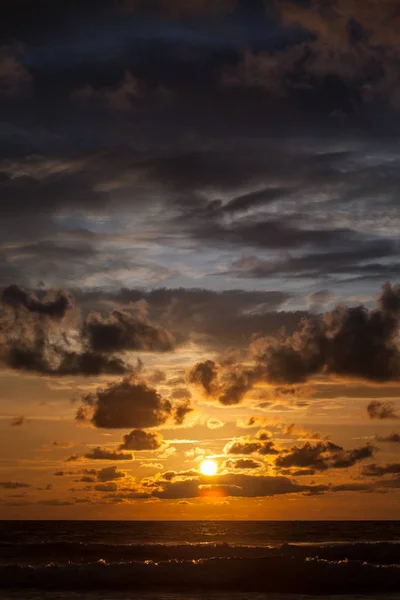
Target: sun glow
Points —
{"points": [[208, 467]]}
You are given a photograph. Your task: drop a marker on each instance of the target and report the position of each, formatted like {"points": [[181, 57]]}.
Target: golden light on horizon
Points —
{"points": [[208, 467]]}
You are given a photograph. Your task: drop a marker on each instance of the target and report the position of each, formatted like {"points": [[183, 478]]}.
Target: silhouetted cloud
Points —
{"points": [[381, 410], [142, 440], [19, 421], [106, 454], [391, 438], [36, 336], [110, 474], [381, 470], [123, 331], [242, 463], [349, 341], [232, 484], [56, 308], [246, 445], [128, 404], [13, 485], [323, 456]]}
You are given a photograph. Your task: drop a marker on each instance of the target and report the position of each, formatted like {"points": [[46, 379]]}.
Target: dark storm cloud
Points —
{"points": [[142, 440], [214, 318], [315, 264], [106, 454], [229, 385], [323, 456], [382, 410], [34, 337], [352, 51], [44, 334], [223, 181], [128, 404], [124, 331], [349, 341], [49, 194], [56, 308]]}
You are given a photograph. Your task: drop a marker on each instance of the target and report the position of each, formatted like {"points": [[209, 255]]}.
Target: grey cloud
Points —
{"points": [[110, 474], [13, 485], [106, 454], [19, 421], [124, 331], [15, 80], [180, 411], [34, 336], [381, 470], [55, 308], [242, 463], [142, 440], [391, 438], [106, 487], [382, 410], [252, 446], [323, 456], [349, 341], [232, 484], [127, 404]]}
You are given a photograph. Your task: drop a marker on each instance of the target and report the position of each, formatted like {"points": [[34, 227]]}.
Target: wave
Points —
{"points": [[377, 553], [277, 574]]}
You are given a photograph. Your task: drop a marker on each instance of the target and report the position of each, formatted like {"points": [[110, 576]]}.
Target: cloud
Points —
{"points": [[323, 456], [106, 487], [229, 384], [350, 47], [238, 485], [120, 98], [381, 410], [37, 334], [13, 485], [215, 424], [58, 444], [247, 445], [128, 404], [392, 438], [123, 331], [352, 342], [140, 440], [19, 421], [110, 474], [180, 411], [379, 470], [15, 80], [242, 463], [73, 458], [18, 298], [106, 454], [180, 8]]}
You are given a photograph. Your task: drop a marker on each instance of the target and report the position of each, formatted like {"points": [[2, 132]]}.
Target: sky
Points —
{"points": [[199, 259]]}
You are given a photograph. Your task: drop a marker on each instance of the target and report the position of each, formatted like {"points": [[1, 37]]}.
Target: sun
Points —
{"points": [[208, 467]]}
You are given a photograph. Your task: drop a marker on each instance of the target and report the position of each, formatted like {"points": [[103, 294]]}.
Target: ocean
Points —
{"points": [[109, 560]]}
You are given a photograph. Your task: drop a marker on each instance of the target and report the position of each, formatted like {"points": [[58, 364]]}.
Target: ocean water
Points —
{"points": [[250, 560]]}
